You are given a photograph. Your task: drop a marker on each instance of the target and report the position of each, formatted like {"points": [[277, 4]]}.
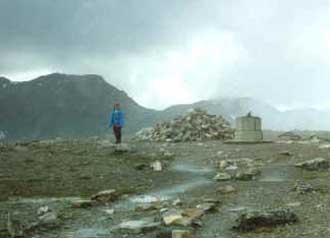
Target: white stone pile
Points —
{"points": [[196, 125]]}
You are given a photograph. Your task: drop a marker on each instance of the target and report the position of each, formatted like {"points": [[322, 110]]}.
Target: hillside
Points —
{"points": [[64, 105]]}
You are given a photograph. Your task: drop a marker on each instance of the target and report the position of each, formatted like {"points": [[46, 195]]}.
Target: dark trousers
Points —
{"points": [[117, 132]]}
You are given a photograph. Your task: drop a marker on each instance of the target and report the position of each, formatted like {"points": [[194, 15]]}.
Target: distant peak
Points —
{"points": [[4, 79], [61, 76]]}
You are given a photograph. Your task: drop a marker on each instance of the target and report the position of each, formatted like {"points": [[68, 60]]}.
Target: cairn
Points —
{"points": [[196, 125]]}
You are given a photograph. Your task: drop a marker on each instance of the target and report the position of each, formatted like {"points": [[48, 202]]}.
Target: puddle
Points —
{"points": [[181, 188], [161, 195], [42, 200], [148, 199], [192, 169]]}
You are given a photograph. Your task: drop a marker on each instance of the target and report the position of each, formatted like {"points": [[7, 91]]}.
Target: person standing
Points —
{"points": [[116, 121]]}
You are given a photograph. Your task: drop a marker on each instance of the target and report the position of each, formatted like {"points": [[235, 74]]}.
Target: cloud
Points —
{"points": [[169, 52]]}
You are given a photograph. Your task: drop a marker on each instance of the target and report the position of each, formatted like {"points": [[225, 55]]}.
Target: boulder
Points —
{"points": [[314, 164], [105, 196], [253, 220]]}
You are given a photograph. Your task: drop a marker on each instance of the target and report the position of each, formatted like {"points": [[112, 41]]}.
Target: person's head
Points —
{"points": [[116, 106]]}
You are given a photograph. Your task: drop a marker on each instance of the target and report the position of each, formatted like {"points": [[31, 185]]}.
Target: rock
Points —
{"points": [[109, 211], [289, 136], [315, 139], [168, 155], [147, 207], [196, 125], [49, 218], [314, 164], [223, 164], [222, 177], [105, 196], [156, 166], [177, 202], [254, 220], [181, 234], [286, 153], [211, 200], [302, 187], [144, 134], [182, 217], [226, 189], [43, 210], [234, 164], [193, 213], [163, 210], [325, 146], [206, 207], [139, 226], [82, 203], [248, 174], [231, 168], [141, 166], [294, 204], [172, 216]]}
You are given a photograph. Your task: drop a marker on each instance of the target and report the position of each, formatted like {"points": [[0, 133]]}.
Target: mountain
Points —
{"points": [[60, 105], [274, 119], [230, 108]]}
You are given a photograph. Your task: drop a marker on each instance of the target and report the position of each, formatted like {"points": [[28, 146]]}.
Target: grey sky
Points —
{"points": [[167, 52]]}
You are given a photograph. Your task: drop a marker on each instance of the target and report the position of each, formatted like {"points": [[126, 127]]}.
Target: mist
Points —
{"points": [[173, 52]]}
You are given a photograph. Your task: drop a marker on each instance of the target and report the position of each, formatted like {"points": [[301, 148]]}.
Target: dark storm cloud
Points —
{"points": [[236, 48]]}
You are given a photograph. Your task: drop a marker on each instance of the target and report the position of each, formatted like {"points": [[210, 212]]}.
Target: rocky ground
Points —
{"points": [[188, 189]]}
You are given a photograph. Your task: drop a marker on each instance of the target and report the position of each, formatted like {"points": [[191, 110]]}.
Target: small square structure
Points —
{"points": [[248, 129]]}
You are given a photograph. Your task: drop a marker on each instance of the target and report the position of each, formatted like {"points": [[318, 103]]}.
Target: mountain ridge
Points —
{"points": [[66, 105], [60, 105]]}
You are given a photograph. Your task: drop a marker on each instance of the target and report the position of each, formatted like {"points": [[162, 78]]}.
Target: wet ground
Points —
{"points": [[56, 173]]}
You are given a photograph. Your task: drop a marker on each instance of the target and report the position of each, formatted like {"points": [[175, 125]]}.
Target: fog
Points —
{"points": [[168, 52]]}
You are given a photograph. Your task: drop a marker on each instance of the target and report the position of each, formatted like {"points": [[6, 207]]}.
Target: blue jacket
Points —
{"points": [[116, 118]]}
